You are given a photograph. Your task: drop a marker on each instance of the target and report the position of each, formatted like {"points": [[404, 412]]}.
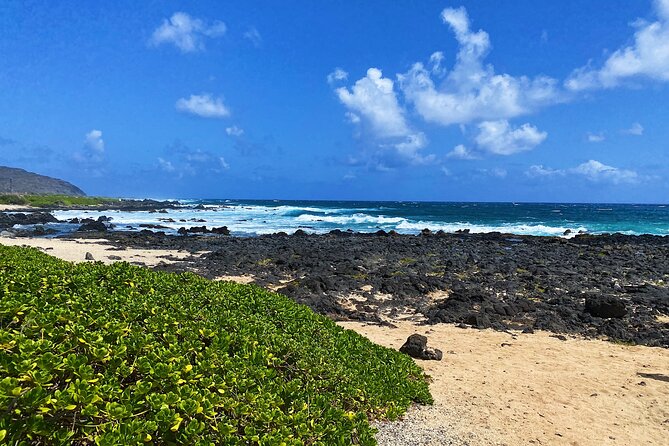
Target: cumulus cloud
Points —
{"points": [[591, 170], [500, 138], [372, 102], [472, 91], [94, 141], [234, 131], [595, 137], [646, 57], [185, 32], [636, 129], [254, 36], [596, 171], [91, 156], [410, 146], [203, 105], [461, 152], [337, 75], [373, 98]]}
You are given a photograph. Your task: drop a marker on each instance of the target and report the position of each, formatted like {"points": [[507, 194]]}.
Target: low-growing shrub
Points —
{"points": [[55, 200], [117, 354]]}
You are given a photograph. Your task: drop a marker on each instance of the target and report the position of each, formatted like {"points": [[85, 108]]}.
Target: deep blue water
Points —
{"points": [[254, 217]]}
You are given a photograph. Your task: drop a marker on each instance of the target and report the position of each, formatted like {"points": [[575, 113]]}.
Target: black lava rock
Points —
{"points": [[605, 306], [416, 347], [93, 226]]}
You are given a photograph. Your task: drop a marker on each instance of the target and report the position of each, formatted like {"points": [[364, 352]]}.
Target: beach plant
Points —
{"points": [[118, 354], [55, 200]]}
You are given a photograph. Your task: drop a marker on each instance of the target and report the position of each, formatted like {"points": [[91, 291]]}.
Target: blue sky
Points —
{"points": [[380, 100]]}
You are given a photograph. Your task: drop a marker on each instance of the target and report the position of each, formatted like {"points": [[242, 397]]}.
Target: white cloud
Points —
{"points": [[498, 172], [91, 156], [411, 145], [592, 170], [234, 131], [372, 101], [254, 36], [186, 32], [647, 56], [183, 161], [203, 105], [636, 129], [165, 165], [337, 75], [472, 91], [595, 137], [352, 117], [500, 138], [94, 142], [373, 98], [596, 171], [462, 153], [538, 170]]}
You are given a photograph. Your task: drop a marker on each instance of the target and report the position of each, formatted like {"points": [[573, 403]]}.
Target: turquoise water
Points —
{"points": [[255, 217]]}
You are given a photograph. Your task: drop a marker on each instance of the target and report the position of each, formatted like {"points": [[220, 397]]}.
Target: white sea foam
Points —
{"points": [[255, 219], [511, 228], [358, 218]]}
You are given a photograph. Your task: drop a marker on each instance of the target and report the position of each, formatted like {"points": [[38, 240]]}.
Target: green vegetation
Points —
{"points": [[116, 354], [55, 200]]}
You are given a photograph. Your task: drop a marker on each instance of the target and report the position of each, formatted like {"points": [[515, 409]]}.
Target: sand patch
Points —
{"points": [[533, 389], [75, 250], [663, 318], [243, 279], [14, 207]]}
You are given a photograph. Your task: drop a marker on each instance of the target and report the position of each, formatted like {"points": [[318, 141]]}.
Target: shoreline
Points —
{"points": [[250, 218]]}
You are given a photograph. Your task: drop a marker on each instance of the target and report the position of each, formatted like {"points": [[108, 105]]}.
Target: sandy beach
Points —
{"points": [[533, 389], [74, 250], [492, 387]]}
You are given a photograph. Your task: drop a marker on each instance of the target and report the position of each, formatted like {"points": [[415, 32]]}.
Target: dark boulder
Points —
{"points": [[93, 226], [477, 320], [416, 347], [605, 306], [223, 230]]}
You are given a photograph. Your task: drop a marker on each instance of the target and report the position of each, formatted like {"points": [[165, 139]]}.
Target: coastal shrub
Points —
{"points": [[117, 354], [54, 200]]}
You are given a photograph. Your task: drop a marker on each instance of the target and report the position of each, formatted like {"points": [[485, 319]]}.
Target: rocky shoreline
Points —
{"points": [[611, 286], [604, 286]]}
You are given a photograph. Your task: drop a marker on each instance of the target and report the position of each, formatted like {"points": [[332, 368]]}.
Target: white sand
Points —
{"points": [[13, 207], [75, 250], [533, 389]]}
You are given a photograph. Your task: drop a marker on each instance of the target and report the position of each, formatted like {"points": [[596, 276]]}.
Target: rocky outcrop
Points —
{"points": [[493, 280]]}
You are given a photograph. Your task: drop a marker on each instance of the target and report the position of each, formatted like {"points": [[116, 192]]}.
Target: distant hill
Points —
{"points": [[19, 181]]}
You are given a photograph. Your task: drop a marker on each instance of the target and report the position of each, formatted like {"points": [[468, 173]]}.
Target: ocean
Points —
{"points": [[257, 217]]}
